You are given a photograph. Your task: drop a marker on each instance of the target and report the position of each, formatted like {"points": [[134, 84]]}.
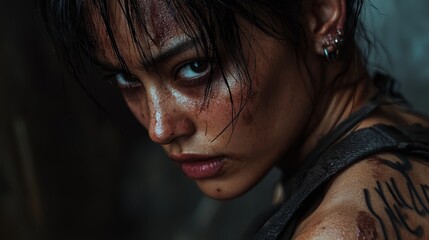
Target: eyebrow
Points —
{"points": [[175, 47]]}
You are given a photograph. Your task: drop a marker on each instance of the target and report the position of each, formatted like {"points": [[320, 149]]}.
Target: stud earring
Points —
{"points": [[331, 46]]}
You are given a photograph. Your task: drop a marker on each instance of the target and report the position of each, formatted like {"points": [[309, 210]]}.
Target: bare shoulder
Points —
{"points": [[340, 223], [383, 197]]}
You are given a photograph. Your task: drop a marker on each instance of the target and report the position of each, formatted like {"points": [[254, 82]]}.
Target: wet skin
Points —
{"points": [[278, 118], [168, 101]]}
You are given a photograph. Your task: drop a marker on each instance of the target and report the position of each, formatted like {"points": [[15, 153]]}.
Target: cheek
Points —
{"points": [[137, 103], [218, 116], [247, 117], [248, 114]]}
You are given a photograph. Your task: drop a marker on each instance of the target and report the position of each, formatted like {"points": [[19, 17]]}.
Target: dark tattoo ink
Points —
{"points": [[425, 190], [372, 211], [417, 201]]}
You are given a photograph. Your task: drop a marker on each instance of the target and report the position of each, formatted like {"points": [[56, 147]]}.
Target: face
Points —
{"points": [[226, 155]]}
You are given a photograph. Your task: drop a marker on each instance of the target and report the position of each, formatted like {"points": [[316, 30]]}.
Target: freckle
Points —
{"points": [[365, 227]]}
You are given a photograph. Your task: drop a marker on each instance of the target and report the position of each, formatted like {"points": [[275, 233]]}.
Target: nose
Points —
{"points": [[168, 121]]}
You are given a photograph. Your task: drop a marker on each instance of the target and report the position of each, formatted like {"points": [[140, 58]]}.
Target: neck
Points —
{"points": [[347, 87]]}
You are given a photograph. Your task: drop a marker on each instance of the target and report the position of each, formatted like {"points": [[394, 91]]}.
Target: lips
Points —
{"points": [[199, 166]]}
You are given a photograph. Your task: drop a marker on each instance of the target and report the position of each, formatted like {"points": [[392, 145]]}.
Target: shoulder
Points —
{"points": [[382, 197], [342, 223]]}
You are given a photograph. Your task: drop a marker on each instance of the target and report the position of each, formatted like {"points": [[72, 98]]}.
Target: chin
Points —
{"points": [[221, 190]]}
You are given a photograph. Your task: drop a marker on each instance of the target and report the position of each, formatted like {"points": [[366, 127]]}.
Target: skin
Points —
{"points": [[171, 110], [343, 212], [281, 120]]}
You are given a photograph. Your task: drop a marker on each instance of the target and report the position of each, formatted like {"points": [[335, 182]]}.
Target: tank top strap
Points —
{"points": [[354, 147], [332, 155]]}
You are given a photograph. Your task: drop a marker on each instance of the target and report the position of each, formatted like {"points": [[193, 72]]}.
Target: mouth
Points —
{"points": [[198, 166]]}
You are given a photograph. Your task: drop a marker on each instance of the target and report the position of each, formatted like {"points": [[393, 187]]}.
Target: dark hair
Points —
{"points": [[213, 23]]}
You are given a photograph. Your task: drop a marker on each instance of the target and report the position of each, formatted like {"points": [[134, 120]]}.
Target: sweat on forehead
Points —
{"points": [[159, 19], [150, 23]]}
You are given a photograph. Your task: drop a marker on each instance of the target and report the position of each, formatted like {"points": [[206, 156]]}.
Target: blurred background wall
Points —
{"points": [[70, 169]]}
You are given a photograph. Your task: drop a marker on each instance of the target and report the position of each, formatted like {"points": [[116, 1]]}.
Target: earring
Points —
{"points": [[331, 46]]}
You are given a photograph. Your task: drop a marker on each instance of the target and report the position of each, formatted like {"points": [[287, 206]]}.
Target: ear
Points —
{"points": [[326, 20]]}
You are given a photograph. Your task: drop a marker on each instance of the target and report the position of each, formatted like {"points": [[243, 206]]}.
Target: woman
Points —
{"points": [[231, 89]]}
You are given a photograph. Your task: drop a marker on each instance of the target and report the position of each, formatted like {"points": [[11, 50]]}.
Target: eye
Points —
{"points": [[193, 70], [123, 80]]}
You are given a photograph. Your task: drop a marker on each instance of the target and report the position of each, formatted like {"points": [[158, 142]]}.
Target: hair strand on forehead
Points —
{"points": [[212, 24]]}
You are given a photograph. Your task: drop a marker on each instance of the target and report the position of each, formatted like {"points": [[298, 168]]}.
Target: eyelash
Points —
{"points": [[124, 81], [127, 81], [199, 77]]}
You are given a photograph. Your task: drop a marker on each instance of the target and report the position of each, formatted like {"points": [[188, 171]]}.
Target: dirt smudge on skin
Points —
{"points": [[377, 170], [376, 160], [377, 174], [159, 21], [366, 229], [247, 118], [247, 115]]}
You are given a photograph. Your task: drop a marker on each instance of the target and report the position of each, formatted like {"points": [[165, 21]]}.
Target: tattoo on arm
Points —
{"points": [[418, 201]]}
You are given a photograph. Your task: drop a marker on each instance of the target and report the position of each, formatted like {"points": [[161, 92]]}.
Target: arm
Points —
{"points": [[384, 197]]}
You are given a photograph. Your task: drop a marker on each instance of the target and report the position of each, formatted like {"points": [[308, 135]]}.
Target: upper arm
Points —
{"points": [[379, 198], [342, 224], [399, 200]]}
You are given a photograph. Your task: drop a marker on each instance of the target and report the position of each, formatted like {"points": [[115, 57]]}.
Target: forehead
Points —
{"points": [[159, 18], [146, 25]]}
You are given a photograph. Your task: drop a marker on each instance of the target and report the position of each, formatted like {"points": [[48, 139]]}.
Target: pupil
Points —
{"points": [[199, 66]]}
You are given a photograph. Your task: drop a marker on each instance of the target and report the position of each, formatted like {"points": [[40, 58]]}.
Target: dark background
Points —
{"points": [[70, 169]]}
